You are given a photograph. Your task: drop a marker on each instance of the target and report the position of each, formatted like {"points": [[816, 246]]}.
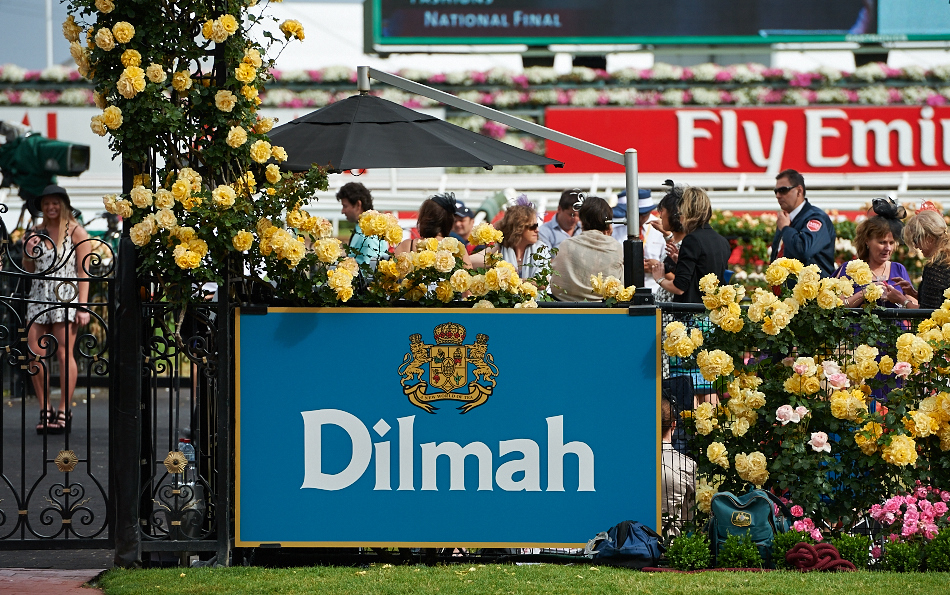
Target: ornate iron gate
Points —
{"points": [[55, 486]]}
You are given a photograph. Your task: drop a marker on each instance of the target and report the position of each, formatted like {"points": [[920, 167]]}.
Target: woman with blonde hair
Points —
{"points": [[703, 250], [519, 227], [57, 247], [926, 231]]}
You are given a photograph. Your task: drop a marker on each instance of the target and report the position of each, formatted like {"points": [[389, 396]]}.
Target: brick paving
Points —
{"points": [[35, 581]]}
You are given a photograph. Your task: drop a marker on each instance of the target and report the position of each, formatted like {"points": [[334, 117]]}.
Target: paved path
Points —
{"points": [[33, 581]]}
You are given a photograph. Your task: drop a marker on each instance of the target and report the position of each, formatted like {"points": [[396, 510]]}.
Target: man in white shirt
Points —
{"points": [[565, 223]]}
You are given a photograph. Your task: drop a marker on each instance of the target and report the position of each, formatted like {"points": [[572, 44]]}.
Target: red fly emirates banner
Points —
{"points": [[758, 139]]}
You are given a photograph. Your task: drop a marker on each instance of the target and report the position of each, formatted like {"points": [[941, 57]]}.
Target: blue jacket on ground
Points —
{"points": [[809, 238]]}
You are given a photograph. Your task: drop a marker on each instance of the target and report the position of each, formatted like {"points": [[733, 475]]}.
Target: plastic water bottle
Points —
{"points": [[188, 449]]}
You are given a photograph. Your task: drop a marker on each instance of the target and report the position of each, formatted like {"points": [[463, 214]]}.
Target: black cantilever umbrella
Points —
{"points": [[364, 132]]}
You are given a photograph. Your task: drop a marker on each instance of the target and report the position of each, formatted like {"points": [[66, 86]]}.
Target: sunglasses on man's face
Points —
{"points": [[533, 227], [784, 189]]}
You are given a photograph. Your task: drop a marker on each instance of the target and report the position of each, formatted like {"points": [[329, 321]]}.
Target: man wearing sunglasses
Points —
{"points": [[802, 230], [564, 224]]}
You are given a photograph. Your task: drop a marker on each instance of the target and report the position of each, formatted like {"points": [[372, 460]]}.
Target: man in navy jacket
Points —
{"points": [[803, 231]]}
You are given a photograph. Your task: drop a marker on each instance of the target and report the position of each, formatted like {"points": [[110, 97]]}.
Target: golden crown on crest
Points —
{"points": [[449, 333]]}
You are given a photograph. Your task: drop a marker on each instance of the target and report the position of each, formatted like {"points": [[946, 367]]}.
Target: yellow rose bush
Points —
{"points": [[835, 408], [166, 105]]}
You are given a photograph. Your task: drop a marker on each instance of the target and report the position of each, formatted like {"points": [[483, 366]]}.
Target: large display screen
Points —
{"points": [[538, 22]]}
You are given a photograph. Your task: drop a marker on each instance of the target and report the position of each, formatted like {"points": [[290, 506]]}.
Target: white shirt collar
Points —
{"points": [[796, 211]]}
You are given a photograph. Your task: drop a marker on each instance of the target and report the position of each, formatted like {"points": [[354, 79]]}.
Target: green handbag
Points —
{"points": [[758, 513]]}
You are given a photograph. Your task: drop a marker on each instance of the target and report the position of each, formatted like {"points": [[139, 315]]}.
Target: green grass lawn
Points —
{"points": [[501, 579]]}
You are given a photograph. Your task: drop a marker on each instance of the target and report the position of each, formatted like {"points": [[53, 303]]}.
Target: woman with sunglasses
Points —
{"points": [[591, 252], [520, 243]]}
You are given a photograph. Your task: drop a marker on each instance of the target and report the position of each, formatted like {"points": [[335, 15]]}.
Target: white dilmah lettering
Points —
{"points": [[527, 468]]}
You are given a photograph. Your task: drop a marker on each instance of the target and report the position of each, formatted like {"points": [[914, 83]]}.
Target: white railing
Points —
{"points": [[402, 191]]}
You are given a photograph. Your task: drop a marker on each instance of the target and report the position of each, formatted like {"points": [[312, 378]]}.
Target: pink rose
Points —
{"points": [[785, 414], [830, 368], [893, 537], [816, 534], [876, 552], [902, 369], [945, 496], [800, 369], [797, 511], [940, 509], [839, 381], [801, 411], [819, 442]]}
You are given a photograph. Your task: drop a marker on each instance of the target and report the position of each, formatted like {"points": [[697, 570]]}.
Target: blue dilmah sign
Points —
{"points": [[445, 427]]}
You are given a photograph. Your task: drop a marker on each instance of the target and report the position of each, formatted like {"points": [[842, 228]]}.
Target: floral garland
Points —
{"points": [[662, 85]]}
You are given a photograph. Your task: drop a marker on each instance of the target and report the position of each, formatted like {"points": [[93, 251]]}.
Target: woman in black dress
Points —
{"points": [[703, 250]]}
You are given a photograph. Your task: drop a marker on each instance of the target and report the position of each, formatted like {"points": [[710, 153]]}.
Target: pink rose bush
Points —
{"points": [[917, 515]]}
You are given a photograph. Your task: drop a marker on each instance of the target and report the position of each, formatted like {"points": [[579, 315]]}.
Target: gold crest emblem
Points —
{"points": [[448, 370], [741, 519]]}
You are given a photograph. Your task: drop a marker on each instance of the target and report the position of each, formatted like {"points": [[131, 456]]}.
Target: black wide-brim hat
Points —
{"points": [[33, 201]]}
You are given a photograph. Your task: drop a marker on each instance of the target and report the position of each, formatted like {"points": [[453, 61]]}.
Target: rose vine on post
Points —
{"points": [[178, 82]]}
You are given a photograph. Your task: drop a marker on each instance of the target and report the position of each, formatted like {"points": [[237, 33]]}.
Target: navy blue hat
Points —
{"points": [[462, 211], [645, 203]]}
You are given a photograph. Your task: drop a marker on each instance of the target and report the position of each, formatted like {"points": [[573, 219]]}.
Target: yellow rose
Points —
{"points": [[860, 272], [491, 280], [131, 82], [225, 100], [245, 72], [808, 290], [704, 494], [141, 233], [105, 6], [478, 286], [920, 424], [452, 245], [96, 125], [131, 58], [250, 93], [424, 259], [253, 57], [123, 32], [709, 283], [264, 125], [223, 196], [717, 454], [868, 444], [181, 81], [181, 190], [444, 261], [71, 30], [901, 451], [141, 197], [714, 364], [873, 293], [528, 289], [104, 39], [166, 219], [155, 73], [229, 23], [112, 117], [351, 265], [292, 28], [164, 199], [188, 260], [444, 292], [460, 280], [260, 151], [236, 137], [344, 294], [740, 427], [827, 300], [328, 250], [776, 275], [811, 385], [123, 208]]}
